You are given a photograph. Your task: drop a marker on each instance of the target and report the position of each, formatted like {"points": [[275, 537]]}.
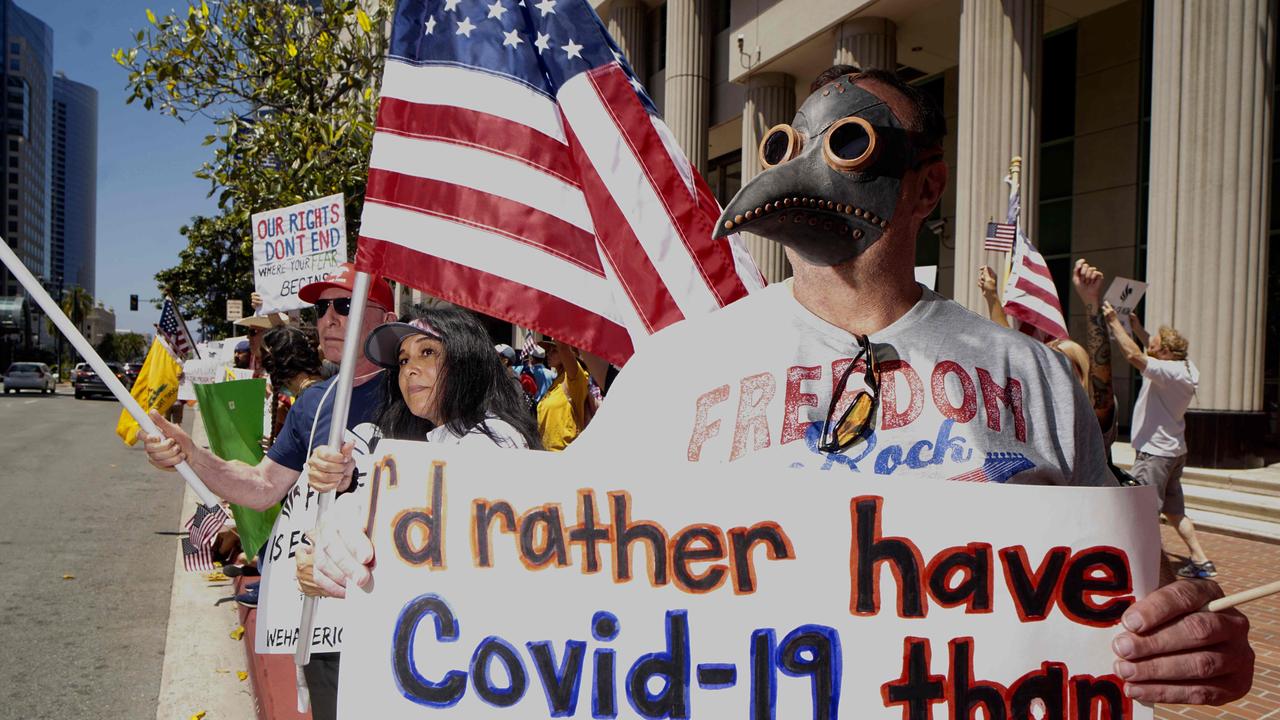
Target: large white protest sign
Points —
{"points": [[532, 585], [279, 599], [1124, 295], [297, 245]]}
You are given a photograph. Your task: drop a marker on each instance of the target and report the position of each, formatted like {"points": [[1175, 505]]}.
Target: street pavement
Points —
{"points": [[1242, 564], [87, 538]]}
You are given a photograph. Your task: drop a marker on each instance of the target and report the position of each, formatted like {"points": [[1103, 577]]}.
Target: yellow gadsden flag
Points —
{"points": [[155, 389]]}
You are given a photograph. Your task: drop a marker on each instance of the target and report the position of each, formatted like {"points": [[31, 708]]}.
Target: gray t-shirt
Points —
{"points": [[960, 399]]}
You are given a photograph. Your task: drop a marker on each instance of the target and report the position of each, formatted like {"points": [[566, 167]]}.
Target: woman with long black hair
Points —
{"points": [[448, 387]]}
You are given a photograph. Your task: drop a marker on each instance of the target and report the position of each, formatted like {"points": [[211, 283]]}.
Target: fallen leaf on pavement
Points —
{"points": [[237, 633], [198, 716], [68, 577], [242, 675]]}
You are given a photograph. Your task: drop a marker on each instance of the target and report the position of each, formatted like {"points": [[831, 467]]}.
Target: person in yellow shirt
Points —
{"points": [[562, 410]]}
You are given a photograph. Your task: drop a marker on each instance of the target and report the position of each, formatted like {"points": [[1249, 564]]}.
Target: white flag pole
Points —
{"points": [[337, 426], [36, 291]]}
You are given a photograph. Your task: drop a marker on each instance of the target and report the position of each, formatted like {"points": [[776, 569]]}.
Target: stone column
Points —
{"points": [[867, 42], [1211, 118], [999, 117], [627, 26], [688, 89], [771, 99]]}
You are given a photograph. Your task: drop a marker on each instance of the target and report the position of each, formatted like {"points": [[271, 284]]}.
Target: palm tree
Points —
{"points": [[77, 303]]}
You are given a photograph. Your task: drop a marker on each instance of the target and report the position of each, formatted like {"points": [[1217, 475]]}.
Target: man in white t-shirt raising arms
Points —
{"points": [[1159, 425]]}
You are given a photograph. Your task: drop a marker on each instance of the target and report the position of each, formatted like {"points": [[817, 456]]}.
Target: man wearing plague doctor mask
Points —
{"points": [[854, 367]]}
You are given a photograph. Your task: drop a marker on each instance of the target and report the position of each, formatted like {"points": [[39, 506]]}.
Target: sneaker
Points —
{"points": [[1197, 570], [249, 598]]}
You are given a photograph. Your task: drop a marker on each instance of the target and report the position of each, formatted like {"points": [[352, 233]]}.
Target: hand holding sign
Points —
{"points": [[342, 554], [1177, 652], [1124, 295]]}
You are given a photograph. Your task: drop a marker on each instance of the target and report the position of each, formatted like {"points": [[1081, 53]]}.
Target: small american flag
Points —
{"points": [[204, 525], [519, 169], [1030, 296], [529, 344], [174, 330], [1000, 237], [196, 558]]}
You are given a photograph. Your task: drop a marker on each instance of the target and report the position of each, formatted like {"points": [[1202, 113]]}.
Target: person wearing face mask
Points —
{"points": [[853, 367], [447, 386]]}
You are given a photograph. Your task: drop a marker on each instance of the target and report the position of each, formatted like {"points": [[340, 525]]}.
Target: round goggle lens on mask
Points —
{"points": [[850, 144], [780, 144]]}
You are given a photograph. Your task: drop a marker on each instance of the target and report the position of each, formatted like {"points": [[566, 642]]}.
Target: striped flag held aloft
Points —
{"points": [[518, 168], [1030, 296], [1000, 237], [174, 330]]}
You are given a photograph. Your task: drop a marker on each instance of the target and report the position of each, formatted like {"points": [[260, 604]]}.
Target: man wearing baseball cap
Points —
{"points": [[307, 426]]}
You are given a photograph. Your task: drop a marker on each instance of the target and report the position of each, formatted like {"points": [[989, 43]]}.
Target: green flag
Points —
{"points": [[232, 413]]}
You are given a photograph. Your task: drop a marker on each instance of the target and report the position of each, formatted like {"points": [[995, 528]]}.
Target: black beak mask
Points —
{"points": [[832, 178]]}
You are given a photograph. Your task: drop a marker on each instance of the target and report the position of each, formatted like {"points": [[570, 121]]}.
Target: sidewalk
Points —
{"points": [[201, 660], [1242, 563]]}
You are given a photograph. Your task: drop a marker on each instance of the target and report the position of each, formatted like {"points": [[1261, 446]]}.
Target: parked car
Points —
{"points": [[87, 382], [29, 376]]}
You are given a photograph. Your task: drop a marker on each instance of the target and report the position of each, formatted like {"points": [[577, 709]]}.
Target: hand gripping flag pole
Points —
{"points": [[82, 346], [337, 426]]}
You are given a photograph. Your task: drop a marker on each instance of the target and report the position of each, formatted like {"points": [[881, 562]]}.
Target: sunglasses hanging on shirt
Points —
{"points": [[857, 419]]}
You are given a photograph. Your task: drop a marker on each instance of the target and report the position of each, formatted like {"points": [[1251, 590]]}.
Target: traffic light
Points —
{"points": [[133, 303]]}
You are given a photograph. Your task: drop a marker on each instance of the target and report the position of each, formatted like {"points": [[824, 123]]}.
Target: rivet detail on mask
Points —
{"points": [[728, 224], [768, 207], [884, 224], [857, 234], [738, 219], [857, 212]]}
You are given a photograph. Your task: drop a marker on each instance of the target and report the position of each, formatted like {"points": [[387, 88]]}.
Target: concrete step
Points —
{"points": [[1235, 525], [1245, 503], [1252, 506]]}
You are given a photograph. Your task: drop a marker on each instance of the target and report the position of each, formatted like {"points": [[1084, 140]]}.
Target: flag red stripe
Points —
{"points": [[1036, 291], [1036, 264], [712, 259], [481, 209], [1030, 317], [495, 296], [476, 129], [635, 271]]}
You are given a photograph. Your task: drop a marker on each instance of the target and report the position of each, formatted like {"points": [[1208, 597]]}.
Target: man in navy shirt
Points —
{"points": [[262, 485], [306, 427]]}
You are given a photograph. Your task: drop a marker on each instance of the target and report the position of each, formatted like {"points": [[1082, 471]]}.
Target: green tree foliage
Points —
{"points": [[291, 87], [123, 347], [216, 266], [76, 303]]}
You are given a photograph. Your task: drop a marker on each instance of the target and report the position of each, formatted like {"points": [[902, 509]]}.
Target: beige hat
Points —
{"points": [[263, 322]]}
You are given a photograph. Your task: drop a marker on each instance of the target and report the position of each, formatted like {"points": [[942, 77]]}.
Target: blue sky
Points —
{"points": [[146, 190]]}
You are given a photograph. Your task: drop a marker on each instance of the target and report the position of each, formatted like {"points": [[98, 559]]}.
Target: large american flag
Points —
{"points": [[1030, 297], [520, 169], [174, 330]]}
